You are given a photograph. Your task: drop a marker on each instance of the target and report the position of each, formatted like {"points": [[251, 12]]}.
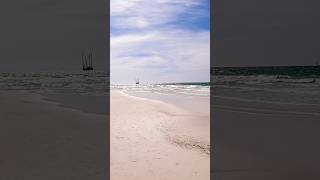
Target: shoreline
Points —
{"points": [[91, 104], [196, 104], [166, 140], [176, 110]]}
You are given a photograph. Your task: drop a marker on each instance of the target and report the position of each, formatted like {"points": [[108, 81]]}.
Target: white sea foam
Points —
{"points": [[183, 89]]}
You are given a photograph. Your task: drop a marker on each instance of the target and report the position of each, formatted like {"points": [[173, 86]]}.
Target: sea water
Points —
{"points": [[190, 89], [85, 91], [190, 96], [291, 89], [92, 83]]}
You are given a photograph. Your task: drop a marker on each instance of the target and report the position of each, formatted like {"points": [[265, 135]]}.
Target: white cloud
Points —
{"points": [[147, 13], [130, 39], [161, 56], [144, 45]]}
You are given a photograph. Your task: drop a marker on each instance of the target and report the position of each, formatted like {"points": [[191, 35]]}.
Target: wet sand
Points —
{"points": [[150, 139], [41, 141], [265, 145], [85, 103]]}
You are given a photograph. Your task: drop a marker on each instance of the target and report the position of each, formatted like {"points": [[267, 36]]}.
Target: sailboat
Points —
{"points": [[87, 61], [137, 81]]}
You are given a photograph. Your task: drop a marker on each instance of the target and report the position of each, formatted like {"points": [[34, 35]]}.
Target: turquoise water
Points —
{"points": [[188, 89], [193, 97]]}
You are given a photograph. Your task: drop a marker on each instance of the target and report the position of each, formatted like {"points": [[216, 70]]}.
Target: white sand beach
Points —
{"points": [[150, 139], [42, 141]]}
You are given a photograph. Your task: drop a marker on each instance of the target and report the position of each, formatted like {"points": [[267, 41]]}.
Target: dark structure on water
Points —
{"points": [[87, 62]]}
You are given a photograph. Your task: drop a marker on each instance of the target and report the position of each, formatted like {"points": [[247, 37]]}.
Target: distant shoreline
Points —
{"points": [[264, 66], [267, 70], [185, 83]]}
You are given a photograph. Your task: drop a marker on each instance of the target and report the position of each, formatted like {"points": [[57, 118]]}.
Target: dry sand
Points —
{"points": [[154, 140], [41, 141]]}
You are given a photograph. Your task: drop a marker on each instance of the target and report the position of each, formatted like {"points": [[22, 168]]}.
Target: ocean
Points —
{"points": [[294, 89], [190, 89], [89, 83], [84, 91], [193, 96]]}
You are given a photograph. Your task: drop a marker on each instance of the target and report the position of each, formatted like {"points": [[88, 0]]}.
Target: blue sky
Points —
{"points": [[160, 41]]}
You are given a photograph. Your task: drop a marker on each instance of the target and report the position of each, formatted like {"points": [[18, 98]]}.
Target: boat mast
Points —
{"points": [[86, 61], [90, 60], [82, 58]]}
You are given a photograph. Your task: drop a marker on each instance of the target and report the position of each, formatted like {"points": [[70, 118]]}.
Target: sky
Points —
{"points": [[159, 41], [49, 35], [266, 33]]}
